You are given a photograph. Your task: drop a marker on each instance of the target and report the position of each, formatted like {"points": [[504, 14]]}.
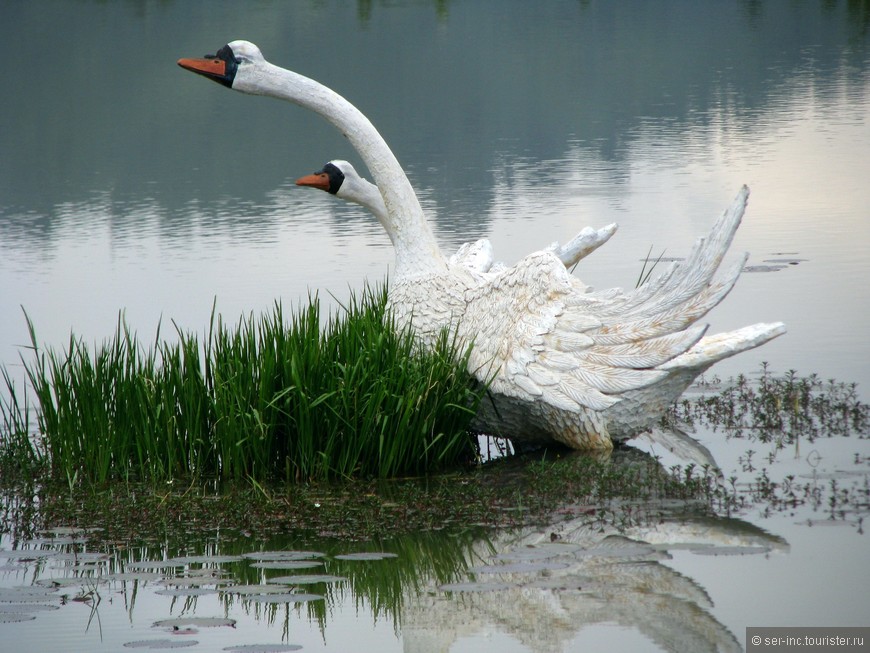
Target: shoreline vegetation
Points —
{"points": [[344, 431], [504, 494], [274, 398]]}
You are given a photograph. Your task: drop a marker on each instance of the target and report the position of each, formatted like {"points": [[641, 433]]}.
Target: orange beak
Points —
{"points": [[319, 180], [213, 67]]}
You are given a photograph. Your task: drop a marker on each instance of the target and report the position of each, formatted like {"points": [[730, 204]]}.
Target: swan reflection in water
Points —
{"points": [[573, 575], [543, 585]]}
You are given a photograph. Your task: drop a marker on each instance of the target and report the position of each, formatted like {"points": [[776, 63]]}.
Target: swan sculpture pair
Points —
{"points": [[565, 364]]}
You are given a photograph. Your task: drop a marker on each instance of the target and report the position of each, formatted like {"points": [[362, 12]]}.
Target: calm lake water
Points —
{"points": [[128, 185]]}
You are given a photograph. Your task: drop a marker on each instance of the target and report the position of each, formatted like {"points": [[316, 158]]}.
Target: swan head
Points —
{"points": [[224, 65], [337, 178]]}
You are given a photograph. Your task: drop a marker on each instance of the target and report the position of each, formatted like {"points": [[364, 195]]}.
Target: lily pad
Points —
{"points": [[205, 560], [825, 522], [283, 555], [64, 531], [263, 648], [193, 581], [244, 590], [155, 644], [54, 541], [28, 594], [15, 617], [305, 579], [82, 556], [471, 586], [6, 608], [139, 565], [764, 268], [29, 554], [201, 622], [186, 591], [76, 581], [285, 597], [785, 261], [85, 568], [366, 555], [287, 564], [133, 576]]}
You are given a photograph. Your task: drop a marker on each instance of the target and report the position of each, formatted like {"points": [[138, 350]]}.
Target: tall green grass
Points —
{"points": [[274, 397]]}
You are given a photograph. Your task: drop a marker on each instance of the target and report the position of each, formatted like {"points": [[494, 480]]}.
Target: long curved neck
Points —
{"points": [[367, 195], [417, 251]]}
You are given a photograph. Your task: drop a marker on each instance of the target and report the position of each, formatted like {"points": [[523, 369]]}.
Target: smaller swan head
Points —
{"points": [[331, 177], [223, 66], [340, 179]]}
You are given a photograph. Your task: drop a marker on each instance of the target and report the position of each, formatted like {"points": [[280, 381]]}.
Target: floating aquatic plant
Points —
{"points": [[160, 644], [195, 622], [306, 579], [474, 586], [778, 408], [285, 597], [287, 564], [366, 556]]}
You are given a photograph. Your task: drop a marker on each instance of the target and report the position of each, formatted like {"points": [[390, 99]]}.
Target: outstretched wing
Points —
{"points": [[538, 334]]}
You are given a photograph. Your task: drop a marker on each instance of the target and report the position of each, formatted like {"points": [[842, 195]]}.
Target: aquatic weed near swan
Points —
{"points": [[262, 400], [779, 408]]}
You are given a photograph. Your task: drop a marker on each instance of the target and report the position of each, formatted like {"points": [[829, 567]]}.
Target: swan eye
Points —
{"points": [[226, 53]]}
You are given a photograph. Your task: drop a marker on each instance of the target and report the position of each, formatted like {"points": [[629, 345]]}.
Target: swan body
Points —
{"points": [[565, 364]]}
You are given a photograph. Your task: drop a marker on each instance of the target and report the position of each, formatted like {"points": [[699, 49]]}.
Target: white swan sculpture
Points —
{"points": [[564, 364]]}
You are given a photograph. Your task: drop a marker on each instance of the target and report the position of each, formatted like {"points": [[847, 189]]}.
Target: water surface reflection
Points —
{"points": [[658, 569], [539, 586]]}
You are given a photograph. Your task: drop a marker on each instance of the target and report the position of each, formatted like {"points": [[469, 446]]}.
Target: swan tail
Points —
{"points": [[641, 408], [685, 279], [668, 318], [712, 349]]}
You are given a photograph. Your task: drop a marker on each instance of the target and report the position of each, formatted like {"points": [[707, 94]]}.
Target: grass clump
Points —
{"points": [[264, 400]]}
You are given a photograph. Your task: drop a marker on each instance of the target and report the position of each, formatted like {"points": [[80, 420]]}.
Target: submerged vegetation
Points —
{"points": [[779, 409], [267, 400], [534, 490]]}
